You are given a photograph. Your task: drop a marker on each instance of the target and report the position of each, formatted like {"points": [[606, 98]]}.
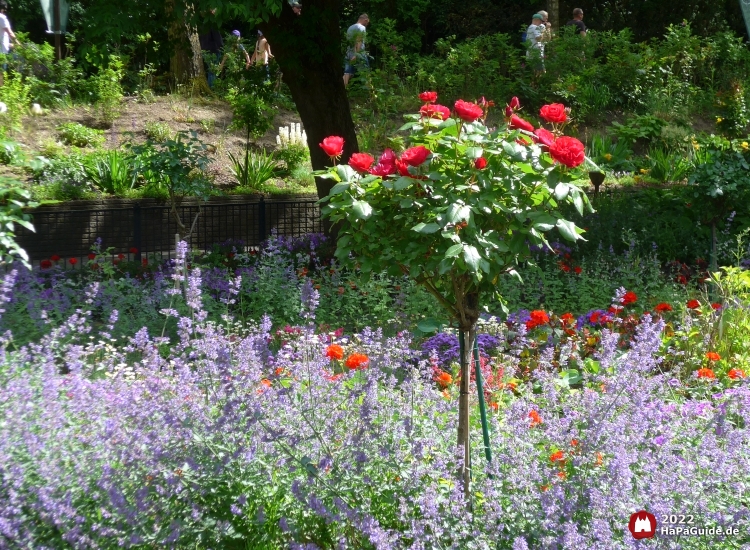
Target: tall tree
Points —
{"points": [[307, 48], [186, 61]]}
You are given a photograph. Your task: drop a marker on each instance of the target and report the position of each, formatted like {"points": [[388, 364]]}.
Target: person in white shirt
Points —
{"points": [[535, 35], [356, 55], [6, 36]]}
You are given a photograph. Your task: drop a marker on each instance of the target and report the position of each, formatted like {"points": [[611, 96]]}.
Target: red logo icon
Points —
{"points": [[642, 525]]}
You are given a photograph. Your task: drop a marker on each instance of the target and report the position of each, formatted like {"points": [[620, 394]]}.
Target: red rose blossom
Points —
{"points": [[517, 123], [480, 163], [333, 146], [386, 164], [693, 304], [55, 258], [361, 162], [73, 261], [403, 169], [554, 113], [435, 111], [134, 250], [545, 137], [468, 112], [577, 269], [45, 264], [568, 151], [415, 155], [508, 112], [428, 97], [92, 256]]}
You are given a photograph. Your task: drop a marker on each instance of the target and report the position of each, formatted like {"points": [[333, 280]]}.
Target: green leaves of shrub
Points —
{"points": [[78, 135], [13, 199]]}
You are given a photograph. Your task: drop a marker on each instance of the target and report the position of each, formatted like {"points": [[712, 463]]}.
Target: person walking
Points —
{"points": [[535, 43], [547, 34], [577, 22], [356, 54], [7, 36], [262, 54], [237, 46]]}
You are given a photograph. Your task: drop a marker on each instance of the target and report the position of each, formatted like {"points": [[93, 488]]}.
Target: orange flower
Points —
{"points": [[557, 456], [736, 374], [544, 488], [335, 352], [599, 459], [266, 382], [538, 317], [663, 307], [279, 371], [574, 443], [535, 418], [713, 356], [446, 394], [562, 475], [494, 406], [693, 304], [443, 379], [357, 361], [332, 377], [706, 373], [567, 318]]}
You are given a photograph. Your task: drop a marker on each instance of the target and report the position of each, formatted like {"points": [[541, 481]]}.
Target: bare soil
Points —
{"points": [[209, 118]]}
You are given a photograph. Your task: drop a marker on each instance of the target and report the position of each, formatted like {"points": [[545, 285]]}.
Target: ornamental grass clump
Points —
{"points": [[457, 210], [218, 439]]}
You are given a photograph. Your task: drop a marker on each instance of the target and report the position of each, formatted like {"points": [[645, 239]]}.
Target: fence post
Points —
{"points": [[137, 231], [261, 220]]}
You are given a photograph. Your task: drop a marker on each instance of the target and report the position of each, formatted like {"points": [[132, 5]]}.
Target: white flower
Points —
{"points": [[36, 109]]}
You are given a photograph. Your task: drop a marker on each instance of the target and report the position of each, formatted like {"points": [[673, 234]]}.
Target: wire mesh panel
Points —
{"points": [[142, 230]]}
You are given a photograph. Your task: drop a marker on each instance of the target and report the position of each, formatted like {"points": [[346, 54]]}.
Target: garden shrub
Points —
{"points": [[79, 135]]}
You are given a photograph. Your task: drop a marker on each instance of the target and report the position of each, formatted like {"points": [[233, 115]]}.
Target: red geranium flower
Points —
{"points": [[134, 250], [92, 256], [565, 267], [73, 261], [629, 298], [415, 155], [435, 111], [568, 151], [567, 318], [706, 373], [538, 318], [557, 456], [357, 361], [535, 419], [716, 305], [554, 113], [428, 97], [144, 262], [663, 307], [55, 258], [121, 256], [693, 304], [517, 123], [333, 146], [736, 374], [45, 264], [545, 137], [480, 163], [361, 162], [577, 269], [713, 356], [334, 351], [466, 111]]}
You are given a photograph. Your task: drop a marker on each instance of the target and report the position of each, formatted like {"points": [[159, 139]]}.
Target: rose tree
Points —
{"points": [[457, 210]]}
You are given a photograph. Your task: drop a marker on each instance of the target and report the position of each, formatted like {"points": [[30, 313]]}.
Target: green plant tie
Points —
{"points": [[482, 405]]}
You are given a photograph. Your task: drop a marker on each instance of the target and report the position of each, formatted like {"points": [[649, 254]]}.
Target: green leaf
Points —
{"points": [[472, 257], [568, 230], [345, 172], [429, 325], [474, 152], [362, 209], [454, 251], [578, 202], [561, 191], [426, 228], [402, 183], [339, 188], [458, 212]]}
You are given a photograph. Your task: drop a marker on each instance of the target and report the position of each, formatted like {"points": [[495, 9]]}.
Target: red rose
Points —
{"points": [[514, 103], [134, 250], [693, 304], [415, 156], [545, 137], [92, 256], [435, 111], [55, 258], [45, 264], [468, 112], [554, 113], [73, 261], [568, 151], [508, 112], [428, 97], [361, 162], [480, 163], [144, 261], [386, 164], [517, 123], [333, 146], [403, 168]]}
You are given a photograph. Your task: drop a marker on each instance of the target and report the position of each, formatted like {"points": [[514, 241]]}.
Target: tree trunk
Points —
{"points": [[186, 62], [308, 51]]}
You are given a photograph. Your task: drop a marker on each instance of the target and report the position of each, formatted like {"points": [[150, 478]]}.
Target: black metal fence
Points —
{"points": [[139, 229]]}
